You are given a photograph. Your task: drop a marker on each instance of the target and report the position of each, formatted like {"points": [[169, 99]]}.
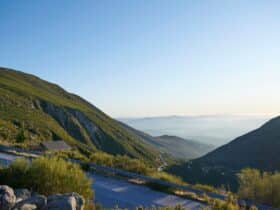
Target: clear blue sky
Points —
{"points": [[151, 57]]}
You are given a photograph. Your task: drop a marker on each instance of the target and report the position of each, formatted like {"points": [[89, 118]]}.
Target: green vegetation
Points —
{"points": [[230, 204], [69, 154], [121, 162], [132, 165], [49, 113], [20, 136], [205, 187], [47, 176], [261, 187]]}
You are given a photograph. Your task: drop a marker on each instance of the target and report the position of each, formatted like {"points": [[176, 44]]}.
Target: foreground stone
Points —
{"points": [[7, 197], [64, 202], [22, 199], [22, 194], [34, 202]]}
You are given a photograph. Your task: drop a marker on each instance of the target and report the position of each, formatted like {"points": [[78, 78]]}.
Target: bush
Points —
{"points": [[204, 187], [230, 204], [71, 154], [47, 176], [20, 137], [16, 173], [167, 177], [121, 162], [261, 187]]}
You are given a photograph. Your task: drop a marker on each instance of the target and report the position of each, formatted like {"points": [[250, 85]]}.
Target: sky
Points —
{"points": [[136, 58]]}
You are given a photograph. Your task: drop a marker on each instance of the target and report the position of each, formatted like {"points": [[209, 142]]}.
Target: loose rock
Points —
{"points": [[7, 197], [22, 194], [39, 201]]}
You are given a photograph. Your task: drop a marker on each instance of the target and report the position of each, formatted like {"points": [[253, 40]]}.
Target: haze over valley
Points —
{"points": [[140, 105], [215, 130]]}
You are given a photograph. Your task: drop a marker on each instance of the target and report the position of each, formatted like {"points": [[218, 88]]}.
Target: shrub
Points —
{"points": [[261, 187], [167, 177], [230, 204], [72, 154], [204, 187], [47, 176], [121, 162], [20, 137]]}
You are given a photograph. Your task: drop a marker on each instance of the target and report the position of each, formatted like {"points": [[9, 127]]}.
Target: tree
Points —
{"points": [[20, 136]]}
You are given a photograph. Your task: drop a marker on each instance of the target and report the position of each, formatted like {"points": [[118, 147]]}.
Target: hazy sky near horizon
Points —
{"points": [[151, 57]]}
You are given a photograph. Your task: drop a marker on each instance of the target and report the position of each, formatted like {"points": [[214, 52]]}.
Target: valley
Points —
{"points": [[34, 111]]}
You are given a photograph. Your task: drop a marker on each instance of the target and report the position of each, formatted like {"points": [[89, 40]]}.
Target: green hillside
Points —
{"points": [[44, 111]]}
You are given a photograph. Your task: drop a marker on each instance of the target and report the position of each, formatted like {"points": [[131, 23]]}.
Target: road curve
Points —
{"points": [[111, 192]]}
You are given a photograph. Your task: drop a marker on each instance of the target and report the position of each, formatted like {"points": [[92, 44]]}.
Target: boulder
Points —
{"points": [[7, 197], [35, 202], [22, 194], [69, 201], [80, 202]]}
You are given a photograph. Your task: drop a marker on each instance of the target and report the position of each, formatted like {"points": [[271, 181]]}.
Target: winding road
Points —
{"points": [[111, 192]]}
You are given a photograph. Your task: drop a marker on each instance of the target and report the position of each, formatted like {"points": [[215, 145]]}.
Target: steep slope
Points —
{"points": [[45, 111], [257, 149]]}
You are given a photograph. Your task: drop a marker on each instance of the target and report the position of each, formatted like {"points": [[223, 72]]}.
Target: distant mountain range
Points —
{"points": [[210, 129], [174, 146], [258, 149]]}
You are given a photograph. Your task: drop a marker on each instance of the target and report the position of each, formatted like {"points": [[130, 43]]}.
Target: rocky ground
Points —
{"points": [[23, 199]]}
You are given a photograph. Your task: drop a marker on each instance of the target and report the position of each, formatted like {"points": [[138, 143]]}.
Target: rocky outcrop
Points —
{"points": [[93, 131], [23, 199], [75, 122], [65, 119]]}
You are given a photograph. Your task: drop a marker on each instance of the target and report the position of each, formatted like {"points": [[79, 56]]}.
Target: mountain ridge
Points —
{"points": [[174, 146], [46, 111]]}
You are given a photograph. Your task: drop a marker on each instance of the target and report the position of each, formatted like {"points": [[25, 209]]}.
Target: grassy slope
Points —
{"points": [[19, 92]]}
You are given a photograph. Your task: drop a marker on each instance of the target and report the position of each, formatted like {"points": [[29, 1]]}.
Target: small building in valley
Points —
{"points": [[54, 146]]}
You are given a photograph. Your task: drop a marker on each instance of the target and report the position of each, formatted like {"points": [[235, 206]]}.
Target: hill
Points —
{"points": [[176, 147], [257, 149], [181, 148], [39, 110]]}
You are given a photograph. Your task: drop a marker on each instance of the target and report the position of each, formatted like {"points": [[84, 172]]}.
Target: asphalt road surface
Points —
{"points": [[111, 192], [5, 159]]}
